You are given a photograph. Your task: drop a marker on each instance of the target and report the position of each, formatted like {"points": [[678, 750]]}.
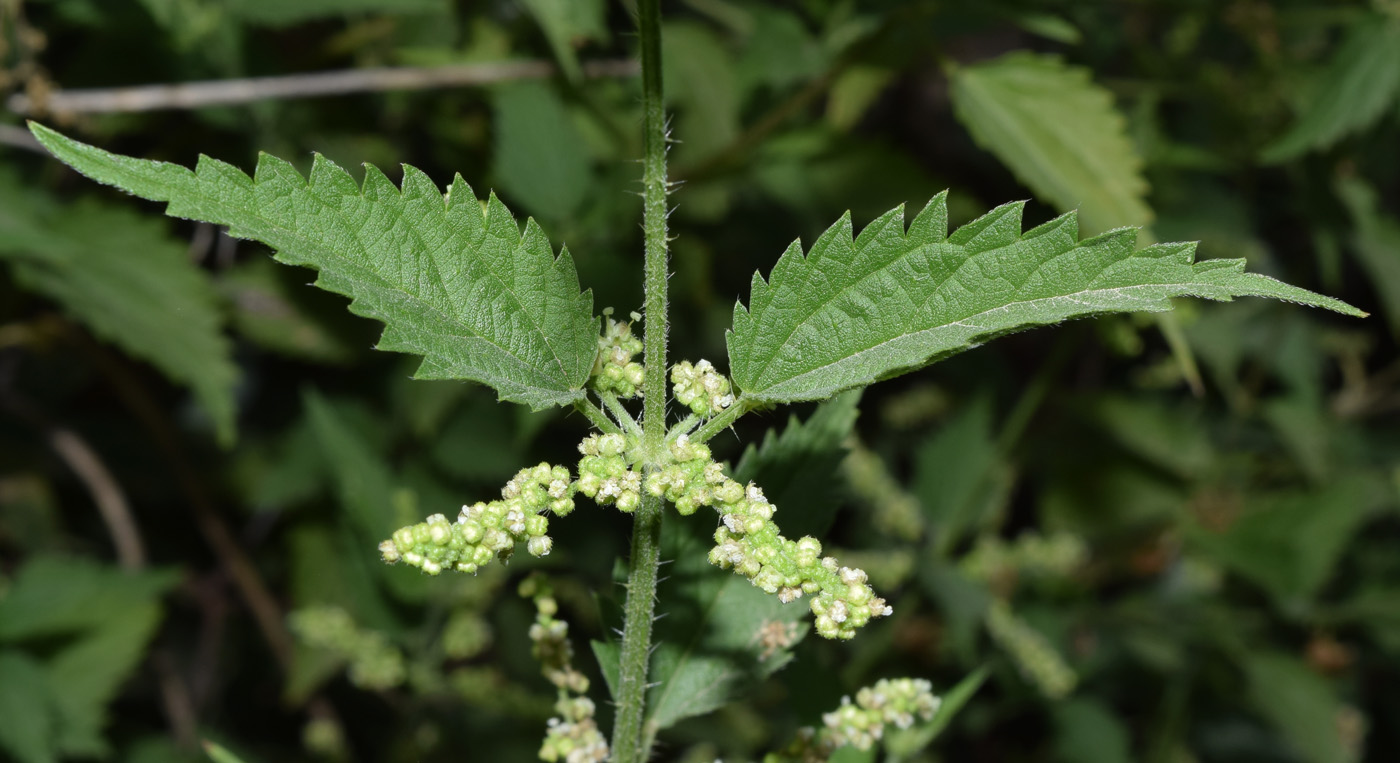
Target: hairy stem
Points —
{"points": [[718, 424], [627, 745], [596, 416]]}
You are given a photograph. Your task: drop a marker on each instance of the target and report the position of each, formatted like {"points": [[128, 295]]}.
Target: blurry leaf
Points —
{"points": [[851, 312], [1049, 26], [1088, 732], [1101, 496], [1376, 241], [157, 749], [1289, 542], [101, 620], [541, 158], [363, 482], [1305, 428], [1353, 92], [452, 282], [900, 744], [1376, 607], [800, 470], [219, 754], [780, 51], [123, 276], [960, 476], [1299, 703], [566, 24], [853, 92], [270, 309], [289, 12], [1058, 132], [700, 81], [710, 644], [26, 719], [1170, 438]]}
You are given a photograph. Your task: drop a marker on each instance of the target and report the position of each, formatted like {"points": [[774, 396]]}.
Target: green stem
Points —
{"points": [[596, 415], [719, 423], [619, 412], [627, 745]]}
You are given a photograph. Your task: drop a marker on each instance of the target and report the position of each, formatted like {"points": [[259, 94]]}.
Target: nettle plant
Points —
{"points": [[455, 281]]}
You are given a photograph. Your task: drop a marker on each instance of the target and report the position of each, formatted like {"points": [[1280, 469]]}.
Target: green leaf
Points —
{"points": [[128, 281], [960, 476], [1290, 542], [289, 12], [701, 82], [452, 283], [566, 23], [853, 312], [1300, 704], [219, 754], [26, 718], [95, 623], [1352, 93], [801, 468], [1087, 732], [1376, 241], [541, 158], [1058, 132], [275, 311]]}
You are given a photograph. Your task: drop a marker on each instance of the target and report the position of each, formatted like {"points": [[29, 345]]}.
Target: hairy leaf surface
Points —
{"points": [[459, 286], [1058, 132], [853, 311]]}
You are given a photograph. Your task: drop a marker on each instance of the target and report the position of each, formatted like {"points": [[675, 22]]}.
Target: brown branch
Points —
{"points": [[191, 95]]}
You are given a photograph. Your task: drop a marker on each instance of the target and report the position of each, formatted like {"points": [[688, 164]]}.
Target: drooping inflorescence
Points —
{"points": [[614, 371], [486, 531], [374, 662], [748, 542], [573, 735], [701, 388]]}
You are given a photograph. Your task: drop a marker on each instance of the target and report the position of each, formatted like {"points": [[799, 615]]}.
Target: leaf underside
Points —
{"points": [[458, 286], [853, 311]]}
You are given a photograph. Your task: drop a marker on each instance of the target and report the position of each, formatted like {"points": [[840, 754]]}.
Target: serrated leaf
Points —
{"points": [[128, 281], [1359, 83], [854, 311], [1058, 132], [460, 287], [801, 468], [26, 719]]}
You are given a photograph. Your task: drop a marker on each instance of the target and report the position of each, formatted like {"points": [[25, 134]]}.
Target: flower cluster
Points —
{"points": [[749, 542], [860, 724], [605, 475], [573, 736], [888, 702], [465, 635], [701, 388], [614, 370], [374, 662], [486, 531]]}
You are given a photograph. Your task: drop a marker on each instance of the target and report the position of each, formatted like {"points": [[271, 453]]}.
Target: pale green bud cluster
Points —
{"points": [[1037, 659], [573, 736], [1031, 555], [374, 662], [895, 702], [701, 388], [605, 475], [487, 531], [748, 542], [860, 724], [614, 370]]}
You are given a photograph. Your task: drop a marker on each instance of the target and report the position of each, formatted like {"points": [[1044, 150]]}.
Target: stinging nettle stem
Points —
{"points": [[627, 744]]}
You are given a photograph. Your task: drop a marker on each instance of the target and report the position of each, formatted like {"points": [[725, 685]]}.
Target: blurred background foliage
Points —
{"points": [[1168, 540]]}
